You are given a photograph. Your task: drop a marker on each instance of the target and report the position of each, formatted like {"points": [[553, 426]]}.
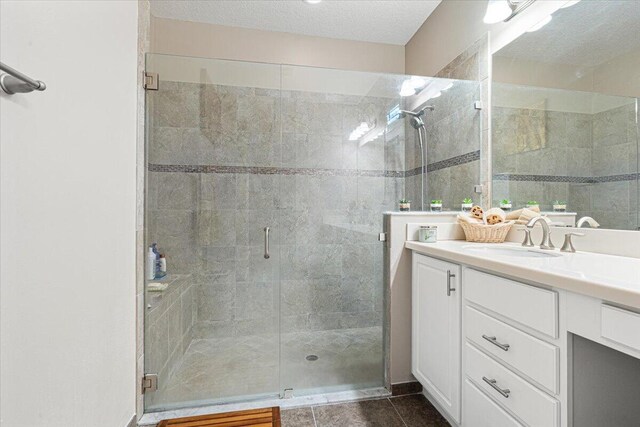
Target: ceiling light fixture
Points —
{"points": [[540, 24], [504, 10], [312, 1]]}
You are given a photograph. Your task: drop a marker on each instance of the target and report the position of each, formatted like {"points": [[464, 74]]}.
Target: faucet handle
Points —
{"points": [[568, 244], [527, 237]]}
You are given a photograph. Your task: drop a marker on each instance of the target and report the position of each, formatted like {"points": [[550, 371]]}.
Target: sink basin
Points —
{"points": [[510, 251]]}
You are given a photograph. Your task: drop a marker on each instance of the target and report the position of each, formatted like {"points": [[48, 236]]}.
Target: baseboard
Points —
{"points": [[410, 387], [132, 422]]}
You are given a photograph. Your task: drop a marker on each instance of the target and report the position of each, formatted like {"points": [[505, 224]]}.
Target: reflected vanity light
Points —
{"points": [[434, 89], [312, 1], [407, 89], [417, 82], [497, 10], [540, 24], [504, 10], [569, 4], [362, 129], [412, 86], [372, 136]]}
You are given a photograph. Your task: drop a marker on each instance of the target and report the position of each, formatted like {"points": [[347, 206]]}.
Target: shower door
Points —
{"points": [[213, 147], [235, 149], [344, 164]]}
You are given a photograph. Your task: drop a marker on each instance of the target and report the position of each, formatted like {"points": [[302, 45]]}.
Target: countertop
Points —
{"points": [[607, 277]]}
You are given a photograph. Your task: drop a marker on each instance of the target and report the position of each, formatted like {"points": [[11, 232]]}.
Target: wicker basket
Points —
{"points": [[482, 233]]}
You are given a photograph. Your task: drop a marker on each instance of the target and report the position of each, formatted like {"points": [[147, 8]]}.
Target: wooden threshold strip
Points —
{"points": [[265, 417]]}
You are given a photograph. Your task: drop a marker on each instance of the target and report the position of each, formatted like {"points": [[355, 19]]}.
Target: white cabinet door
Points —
{"points": [[435, 346]]}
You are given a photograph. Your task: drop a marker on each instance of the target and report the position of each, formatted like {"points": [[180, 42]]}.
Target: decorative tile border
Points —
{"points": [[447, 163], [258, 170], [268, 170], [562, 178]]}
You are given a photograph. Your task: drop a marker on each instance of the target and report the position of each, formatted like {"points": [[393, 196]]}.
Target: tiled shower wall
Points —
{"points": [[169, 325], [452, 147], [224, 162], [587, 160], [457, 133]]}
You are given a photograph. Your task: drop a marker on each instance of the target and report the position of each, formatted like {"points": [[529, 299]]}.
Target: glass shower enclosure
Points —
{"points": [[265, 190]]}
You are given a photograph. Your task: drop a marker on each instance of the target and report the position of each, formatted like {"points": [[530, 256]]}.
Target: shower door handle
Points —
{"points": [[266, 243]]}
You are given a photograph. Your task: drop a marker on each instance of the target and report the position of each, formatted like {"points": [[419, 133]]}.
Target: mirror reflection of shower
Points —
{"points": [[417, 122]]}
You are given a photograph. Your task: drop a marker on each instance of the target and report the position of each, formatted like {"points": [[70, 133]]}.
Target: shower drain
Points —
{"points": [[312, 358]]}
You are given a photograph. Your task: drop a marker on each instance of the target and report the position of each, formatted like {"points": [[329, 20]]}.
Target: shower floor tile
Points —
{"points": [[241, 367]]}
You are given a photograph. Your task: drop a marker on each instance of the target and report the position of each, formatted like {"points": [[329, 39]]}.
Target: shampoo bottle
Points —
{"points": [[163, 265], [151, 264]]}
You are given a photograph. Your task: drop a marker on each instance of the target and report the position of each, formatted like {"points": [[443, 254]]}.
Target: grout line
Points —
{"points": [[313, 414], [396, 409]]}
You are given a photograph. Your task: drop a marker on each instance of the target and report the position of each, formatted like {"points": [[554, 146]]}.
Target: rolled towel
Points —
{"points": [[477, 212], [527, 215], [516, 214], [494, 216]]}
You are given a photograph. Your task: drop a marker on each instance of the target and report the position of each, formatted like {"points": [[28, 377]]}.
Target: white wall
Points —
{"points": [[456, 24], [175, 37], [68, 205]]}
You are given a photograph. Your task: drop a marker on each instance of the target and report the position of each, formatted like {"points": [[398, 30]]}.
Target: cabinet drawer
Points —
{"points": [[531, 356], [480, 411], [532, 406], [533, 307], [621, 326]]}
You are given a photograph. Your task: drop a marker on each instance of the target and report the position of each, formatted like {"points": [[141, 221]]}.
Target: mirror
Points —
{"points": [[565, 114]]}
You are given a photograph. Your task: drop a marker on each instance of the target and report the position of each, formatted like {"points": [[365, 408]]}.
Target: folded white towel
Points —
{"points": [[157, 287]]}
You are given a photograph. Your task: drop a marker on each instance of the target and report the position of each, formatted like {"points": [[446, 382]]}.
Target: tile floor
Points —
{"points": [[401, 411], [226, 368]]}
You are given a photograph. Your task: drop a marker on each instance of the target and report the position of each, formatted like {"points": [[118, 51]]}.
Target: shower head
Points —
{"points": [[416, 116], [420, 112], [416, 122]]}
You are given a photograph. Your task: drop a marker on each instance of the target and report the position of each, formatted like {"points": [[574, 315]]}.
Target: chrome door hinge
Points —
{"points": [[382, 237], [149, 383], [151, 81], [478, 105], [478, 188]]}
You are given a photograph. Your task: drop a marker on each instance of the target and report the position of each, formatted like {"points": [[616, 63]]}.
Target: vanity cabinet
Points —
{"points": [[508, 346], [436, 331], [487, 337]]}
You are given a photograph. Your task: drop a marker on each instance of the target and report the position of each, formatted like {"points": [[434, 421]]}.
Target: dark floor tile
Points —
{"points": [[369, 413], [302, 417], [417, 411]]}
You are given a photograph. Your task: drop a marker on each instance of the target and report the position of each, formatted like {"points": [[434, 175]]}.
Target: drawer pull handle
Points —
{"points": [[504, 392], [449, 277], [494, 341]]}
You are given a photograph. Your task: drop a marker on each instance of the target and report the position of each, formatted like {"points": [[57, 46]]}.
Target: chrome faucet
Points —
{"points": [[545, 244], [587, 220]]}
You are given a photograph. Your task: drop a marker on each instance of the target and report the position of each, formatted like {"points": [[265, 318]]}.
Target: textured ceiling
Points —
{"points": [[382, 21], [588, 34]]}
